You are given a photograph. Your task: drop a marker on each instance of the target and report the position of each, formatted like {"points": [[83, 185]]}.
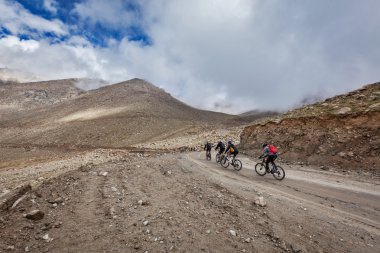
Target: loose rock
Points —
{"points": [[233, 233], [35, 215], [260, 201]]}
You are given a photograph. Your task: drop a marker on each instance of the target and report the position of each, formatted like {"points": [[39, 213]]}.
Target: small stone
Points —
{"points": [[232, 232], [208, 231], [260, 201], [113, 189], [295, 248], [57, 224], [47, 238], [103, 173], [27, 249], [248, 240], [11, 248], [140, 202], [343, 110], [35, 215], [146, 223], [55, 205], [342, 154], [57, 200]]}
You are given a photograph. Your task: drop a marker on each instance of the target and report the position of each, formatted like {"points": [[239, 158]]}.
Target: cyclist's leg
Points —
{"points": [[233, 155], [267, 160], [271, 160]]}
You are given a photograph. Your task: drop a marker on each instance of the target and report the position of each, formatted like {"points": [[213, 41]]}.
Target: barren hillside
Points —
{"points": [[15, 97], [118, 115], [340, 132]]}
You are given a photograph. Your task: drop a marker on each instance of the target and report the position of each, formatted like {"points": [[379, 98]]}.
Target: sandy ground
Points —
{"points": [[179, 202]]}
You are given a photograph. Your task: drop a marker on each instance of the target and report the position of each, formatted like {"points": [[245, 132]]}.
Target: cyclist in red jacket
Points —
{"points": [[269, 151]]}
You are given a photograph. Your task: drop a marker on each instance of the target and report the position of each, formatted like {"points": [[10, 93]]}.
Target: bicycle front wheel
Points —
{"points": [[260, 169], [225, 162], [279, 173], [237, 165]]}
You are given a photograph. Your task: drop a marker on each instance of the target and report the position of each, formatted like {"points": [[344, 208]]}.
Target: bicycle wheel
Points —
{"points": [[237, 165], [217, 158], [260, 169], [279, 173], [224, 162]]}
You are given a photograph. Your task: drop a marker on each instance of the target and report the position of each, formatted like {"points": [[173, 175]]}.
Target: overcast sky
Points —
{"points": [[225, 55]]}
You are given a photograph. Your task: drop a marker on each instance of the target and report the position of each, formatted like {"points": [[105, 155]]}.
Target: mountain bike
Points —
{"points": [[236, 163], [277, 171], [208, 155]]}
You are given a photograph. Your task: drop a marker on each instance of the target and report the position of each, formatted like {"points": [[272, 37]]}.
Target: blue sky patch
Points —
{"points": [[97, 34]]}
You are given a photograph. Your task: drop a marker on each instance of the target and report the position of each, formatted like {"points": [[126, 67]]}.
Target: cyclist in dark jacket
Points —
{"points": [[207, 146], [221, 147]]}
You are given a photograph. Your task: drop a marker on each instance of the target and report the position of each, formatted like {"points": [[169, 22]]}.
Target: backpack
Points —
{"points": [[272, 149], [232, 148]]}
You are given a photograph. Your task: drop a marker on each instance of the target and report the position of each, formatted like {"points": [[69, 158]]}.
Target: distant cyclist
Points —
{"points": [[221, 147], [208, 147], [231, 149], [270, 152]]}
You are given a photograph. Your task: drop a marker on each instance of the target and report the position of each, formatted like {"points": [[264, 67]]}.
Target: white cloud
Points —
{"points": [[109, 13], [51, 5], [231, 56], [18, 20], [15, 44]]}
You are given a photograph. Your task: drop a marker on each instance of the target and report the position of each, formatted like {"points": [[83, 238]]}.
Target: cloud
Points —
{"points": [[15, 44], [51, 6], [15, 18], [108, 13], [231, 56]]}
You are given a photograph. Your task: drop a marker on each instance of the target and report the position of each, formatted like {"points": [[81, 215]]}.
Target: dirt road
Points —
{"points": [[334, 194], [115, 201]]}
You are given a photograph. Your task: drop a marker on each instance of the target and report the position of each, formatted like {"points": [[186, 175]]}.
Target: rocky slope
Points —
{"points": [[340, 132]]}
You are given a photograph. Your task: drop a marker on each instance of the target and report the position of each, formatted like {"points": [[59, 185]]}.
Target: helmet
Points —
{"points": [[229, 141], [265, 144]]}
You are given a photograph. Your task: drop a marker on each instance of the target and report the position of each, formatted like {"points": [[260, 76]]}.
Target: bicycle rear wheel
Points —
{"points": [[279, 173], [260, 169], [237, 164], [217, 158]]}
